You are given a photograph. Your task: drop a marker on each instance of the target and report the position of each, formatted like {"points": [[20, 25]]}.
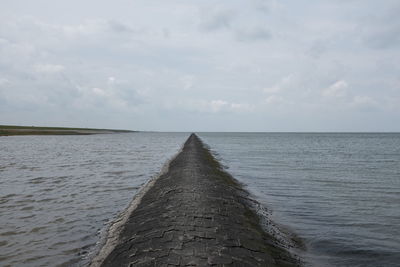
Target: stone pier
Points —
{"points": [[195, 214]]}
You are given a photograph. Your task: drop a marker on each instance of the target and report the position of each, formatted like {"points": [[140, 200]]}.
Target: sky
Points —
{"points": [[184, 65]]}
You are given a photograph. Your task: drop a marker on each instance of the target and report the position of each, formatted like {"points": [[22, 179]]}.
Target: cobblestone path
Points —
{"points": [[196, 215]]}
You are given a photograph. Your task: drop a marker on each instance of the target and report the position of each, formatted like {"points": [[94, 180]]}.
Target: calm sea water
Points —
{"points": [[57, 193], [339, 192]]}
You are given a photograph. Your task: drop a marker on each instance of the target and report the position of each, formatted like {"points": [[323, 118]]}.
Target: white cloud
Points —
{"points": [[210, 106], [4, 81], [336, 90], [285, 83], [221, 105], [365, 103], [144, 92], [94, 98], [111, 80], [3, 41], [273, 89], [100, 92], [217, 105], [96, 26], [241, 107], [187, 81], [48, 68], [274, 99]]}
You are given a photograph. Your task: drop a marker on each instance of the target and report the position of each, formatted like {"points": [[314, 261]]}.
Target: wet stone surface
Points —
{"points": [[196, 215]]}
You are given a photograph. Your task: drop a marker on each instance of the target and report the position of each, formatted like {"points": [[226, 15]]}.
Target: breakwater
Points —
{"points": [[193, 214]]}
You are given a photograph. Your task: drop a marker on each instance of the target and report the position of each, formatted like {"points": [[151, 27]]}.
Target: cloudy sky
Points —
{"points": [[183, 65]]}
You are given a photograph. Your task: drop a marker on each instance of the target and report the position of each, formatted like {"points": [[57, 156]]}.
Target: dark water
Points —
{"points": [[57, 193], [339, 192]]}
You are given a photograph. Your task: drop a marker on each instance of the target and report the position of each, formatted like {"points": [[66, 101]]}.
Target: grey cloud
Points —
{"points": [[384, 38], [143, 68], [317, 48], [117, 26], [253, 34], [232, 21], [382, 30], [216, 19]]}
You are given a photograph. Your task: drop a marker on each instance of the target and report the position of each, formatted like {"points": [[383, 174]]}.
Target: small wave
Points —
{"points": [[8, 196], [11, 233], [47, 189], [57, 221], [32, 259], [60, 179], [27, 217], [45, 200], [38, 180], [116, 172], [37, 229], [25, 200], [27, 208], [29, 168], [3, 201]]}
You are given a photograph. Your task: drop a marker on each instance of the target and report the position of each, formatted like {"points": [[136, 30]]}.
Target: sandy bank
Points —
{"points": [[7, 130]]}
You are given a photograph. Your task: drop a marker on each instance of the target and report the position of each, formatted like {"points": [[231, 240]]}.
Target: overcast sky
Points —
{"points": [[170, 65]]}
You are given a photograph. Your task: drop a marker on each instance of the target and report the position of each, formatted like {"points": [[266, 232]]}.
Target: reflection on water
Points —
{"points": [[339, 192], [58, 192]]}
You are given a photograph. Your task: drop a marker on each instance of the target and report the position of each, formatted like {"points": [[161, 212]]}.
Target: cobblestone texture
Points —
{"points": [[196, 215]]}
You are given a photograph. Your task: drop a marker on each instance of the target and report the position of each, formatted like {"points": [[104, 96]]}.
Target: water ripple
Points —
{"points": [[58, 192], [339, 192]]}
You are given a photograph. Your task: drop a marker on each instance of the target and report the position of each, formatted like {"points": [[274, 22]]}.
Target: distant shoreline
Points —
{"points": [[11, 130]]}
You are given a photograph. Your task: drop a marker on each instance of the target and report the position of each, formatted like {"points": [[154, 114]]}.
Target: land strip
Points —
{"points": [[195, 214], [6, 130]]}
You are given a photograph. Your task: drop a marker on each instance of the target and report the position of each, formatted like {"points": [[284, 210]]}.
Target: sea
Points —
{"points": [[339, 193]]}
